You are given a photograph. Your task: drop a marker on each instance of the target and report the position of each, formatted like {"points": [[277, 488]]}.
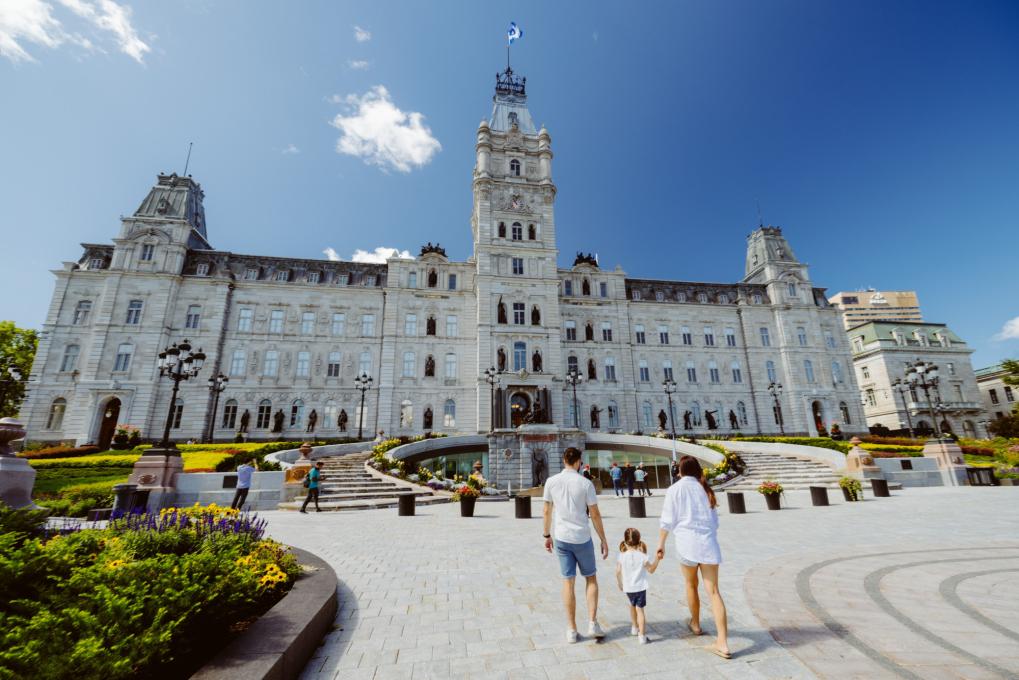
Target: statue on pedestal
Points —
{"points": [[277, 421], [712, 423], [733, 420], [245, 420], [539, 467], [341, 422], [686, 420], [662, 419], [312, 420]]}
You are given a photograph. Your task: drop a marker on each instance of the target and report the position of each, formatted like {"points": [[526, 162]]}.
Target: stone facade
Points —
{"points": [[999, 399], [291, 334]]}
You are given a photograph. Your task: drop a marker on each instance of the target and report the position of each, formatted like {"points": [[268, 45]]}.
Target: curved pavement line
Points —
{"points": [[841, 632], [872, 586], [949, 590]]}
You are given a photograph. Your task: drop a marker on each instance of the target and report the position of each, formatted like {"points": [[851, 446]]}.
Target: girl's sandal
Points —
{"points": [[718, 652]]}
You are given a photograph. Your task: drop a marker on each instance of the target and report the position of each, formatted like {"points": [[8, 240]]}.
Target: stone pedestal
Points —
{"points": [[951, 462], [156, 471], [304, 462], [16, 476], [860, 463], [526, 456]]}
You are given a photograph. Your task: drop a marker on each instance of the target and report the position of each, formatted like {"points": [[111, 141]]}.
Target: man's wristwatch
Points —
{"points": [[546, 535]]}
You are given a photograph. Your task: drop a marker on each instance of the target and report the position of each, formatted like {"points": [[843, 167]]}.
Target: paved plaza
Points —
{"points": [[920, 585]]}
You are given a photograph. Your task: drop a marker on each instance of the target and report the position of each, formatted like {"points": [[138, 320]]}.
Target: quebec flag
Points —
{"points": [[514, 32]]}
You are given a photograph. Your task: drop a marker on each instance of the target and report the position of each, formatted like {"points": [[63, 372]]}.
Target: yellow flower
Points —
{"points": [[115, 564]]}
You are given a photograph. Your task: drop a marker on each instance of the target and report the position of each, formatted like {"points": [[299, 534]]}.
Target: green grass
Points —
{"points": [[52, 485]]}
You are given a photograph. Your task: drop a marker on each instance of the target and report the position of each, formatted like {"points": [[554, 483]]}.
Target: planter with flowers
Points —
{"points": [[123, 436], [852, 489], [772, 492], [468, 496]]}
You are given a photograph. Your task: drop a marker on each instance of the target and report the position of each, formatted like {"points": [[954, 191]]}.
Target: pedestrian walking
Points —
{"points": [[617, 479], [632, 569], [245, 471], [640, 474], [628, 477], [312, 482]]}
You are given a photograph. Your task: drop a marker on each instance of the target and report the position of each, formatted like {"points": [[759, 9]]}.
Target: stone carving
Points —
{"points": [[733, 420], [712, 423], [245, 420], [539, 467], [536, 362], [341, 421], [686, 420], [277, 421], [662, 419], [514, 203], [312, 420], [427, 418]]}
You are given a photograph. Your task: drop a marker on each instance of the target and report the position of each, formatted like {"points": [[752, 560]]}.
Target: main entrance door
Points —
{"points": [[108, 424], [520, 404], [818, 413]]}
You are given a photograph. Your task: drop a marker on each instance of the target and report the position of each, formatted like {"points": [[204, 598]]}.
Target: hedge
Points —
{"points": [[59, 452], [819, 442]]}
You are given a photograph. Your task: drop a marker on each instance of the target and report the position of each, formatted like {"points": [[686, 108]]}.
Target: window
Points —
{"points": [[808, 370], [801, 336], [681, 297], [702, 297], [123, 360], [857, 344], [237, 362], [451, 281], [342, 279], [370, 280], [532, 233], [709, 336], [515, 167], [647, 411], [339, 321], [635, 295], [263, 415], [641, 339], [276, 321], [737, 373], [567, 287], [713, 374], [412, 279], [312, 277], [95, 263], [730, 337], [452, 326], [723, 299], [606, 331], [772, 374], [610, 369], [245, 315], [518, 313], [836, 372], [202, 269], [55, 420], [613, 410], [409, 364], [517, 232], [364, 364], [691, 372], [449, 414], [282, 275], [329, 414], [829, 340], [791, 291], [667, 370], [134, 312], [450, 366], [685, 335], [765, 337], [519, 356], [571, 330], [81, 312], [70, 359], [296, 413], [250, 274], [663, 335], [177, 413], [603, 289], [958, 392], [643, 372], [1009, 396], [229, 414], [271, 365], [695, 413], [333, 366], [659, 296], [518, 266], [303, 364], [844, 410], [741, 412], [865, 372], [367, 325], [951, 368], [307, 323], [148, 250], [871, 399], [571, 365], [757, 298], [410, 325], [194, 315], [993, 393]]}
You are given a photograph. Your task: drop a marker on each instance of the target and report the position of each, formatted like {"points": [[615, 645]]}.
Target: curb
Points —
{"points": [[278, 645]]}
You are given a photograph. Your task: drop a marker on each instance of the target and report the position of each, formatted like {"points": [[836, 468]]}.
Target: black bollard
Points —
{"points": [[637, 508], [880, 487], [818, 495], [737, 504], [523, 506], [122, 496], [405, 504]]}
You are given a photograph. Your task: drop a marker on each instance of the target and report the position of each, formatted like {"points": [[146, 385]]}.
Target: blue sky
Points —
{"points": [[882, 137]]}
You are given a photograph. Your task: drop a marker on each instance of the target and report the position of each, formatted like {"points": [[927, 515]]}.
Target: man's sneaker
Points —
{"points": [[571, 635], [642, 639], [595, 631], [634, 630]]}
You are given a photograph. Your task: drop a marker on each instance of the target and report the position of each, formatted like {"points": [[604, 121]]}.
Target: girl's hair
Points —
{"points": [[631, 539], [689, 467]]}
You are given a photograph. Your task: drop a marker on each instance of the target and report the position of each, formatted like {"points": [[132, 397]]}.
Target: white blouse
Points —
{"points": [[688, 514]]}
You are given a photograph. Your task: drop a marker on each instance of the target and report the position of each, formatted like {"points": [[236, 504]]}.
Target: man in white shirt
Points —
{"points": [[570, 496]]}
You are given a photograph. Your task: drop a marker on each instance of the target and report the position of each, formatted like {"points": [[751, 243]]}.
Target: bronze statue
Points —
{"points": [[539, 467], [586, 287], [589, 332], [433, 279], [502, 312], [686, 420], [312, 420], [536, 361], [712, 423], [341, 422], [429, 366], [592, 372], [428, 418], [733, 420], [245, 419], [662, 419], [535, 316], [277, 421], [501, 359], [595, 411], [430, 326]]}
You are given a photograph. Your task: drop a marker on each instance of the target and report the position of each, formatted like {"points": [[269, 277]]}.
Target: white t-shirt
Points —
{"points": [[570, 494], [634, 564]]}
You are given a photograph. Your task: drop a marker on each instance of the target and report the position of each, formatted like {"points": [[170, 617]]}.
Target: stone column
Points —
{"points": [[951, 462]]}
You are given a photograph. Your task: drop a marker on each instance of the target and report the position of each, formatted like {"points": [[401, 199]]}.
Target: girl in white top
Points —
{"points": [[689, 514], [632, 568]]}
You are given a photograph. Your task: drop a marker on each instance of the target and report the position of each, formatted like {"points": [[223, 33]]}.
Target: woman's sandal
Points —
{"points": [[689, 627], [718, 652]]}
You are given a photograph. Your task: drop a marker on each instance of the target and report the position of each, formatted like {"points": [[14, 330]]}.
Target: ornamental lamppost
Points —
{"points": [[574, 378], [178, 363], [902, 387], [492, 378], [669, 385], [216, 387], [362, 382], [924, 374], [775, 389]]}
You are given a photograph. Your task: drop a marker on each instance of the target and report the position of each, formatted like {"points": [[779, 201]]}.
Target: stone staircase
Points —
{"points": [[346, 485], [792, 473]]}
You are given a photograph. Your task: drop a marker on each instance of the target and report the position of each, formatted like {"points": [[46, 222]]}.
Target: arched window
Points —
{"points": [[515, 167], [264, 414], [406, 414], [571, 365], [329, 414], [70, 359], [648, 415], [230, 414], [296, 413], [613, 414], [741, 412], [772, 375], [585, 287], [502, 230], [517, 232], [532, 233], [519, 356], [535, 316], [433, 278], [177, 414], [592, 370], [844, 410], [695, 413], [449, 414], [56, 417]]}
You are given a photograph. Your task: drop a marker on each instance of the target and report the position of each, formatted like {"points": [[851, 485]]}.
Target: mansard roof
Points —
{"points": [[510, 104], [176, 197], [687, 291], [221, 262]]}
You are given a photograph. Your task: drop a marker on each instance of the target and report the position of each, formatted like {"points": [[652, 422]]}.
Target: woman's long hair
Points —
{"points": [[690, 467]]}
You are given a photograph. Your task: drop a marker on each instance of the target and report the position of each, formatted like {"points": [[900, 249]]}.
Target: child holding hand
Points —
{"points": [[632, 569]]}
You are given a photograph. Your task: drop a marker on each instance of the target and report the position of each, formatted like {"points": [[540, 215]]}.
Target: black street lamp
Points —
{"points": [[924, 374], [492, 378], [362, 382], [178, 363], [574, 378], [775, 389], [216, 387], [902, 387], [669, 385]]}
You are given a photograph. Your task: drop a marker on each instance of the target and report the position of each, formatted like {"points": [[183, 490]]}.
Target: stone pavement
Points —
{"points": [[918, 585]]}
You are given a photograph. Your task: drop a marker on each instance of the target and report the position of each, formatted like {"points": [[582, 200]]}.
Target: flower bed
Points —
{"points": [[386, 464], [821, 442], [152, 596]]}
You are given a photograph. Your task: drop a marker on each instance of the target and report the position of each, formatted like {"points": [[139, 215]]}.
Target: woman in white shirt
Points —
{"points": [[689, 514]]}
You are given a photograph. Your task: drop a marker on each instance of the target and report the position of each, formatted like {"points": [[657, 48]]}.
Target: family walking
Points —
{"points": [[688, 514]]}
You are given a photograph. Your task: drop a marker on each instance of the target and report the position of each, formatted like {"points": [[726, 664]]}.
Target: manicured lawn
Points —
{"points": [[51, 482], [192, 459]]}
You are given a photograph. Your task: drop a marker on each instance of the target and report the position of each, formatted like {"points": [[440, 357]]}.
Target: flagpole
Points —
{"points": [[507, 57]]}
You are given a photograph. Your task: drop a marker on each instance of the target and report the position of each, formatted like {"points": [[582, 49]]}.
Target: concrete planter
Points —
{"points": [[774, 501], [467, 506]]}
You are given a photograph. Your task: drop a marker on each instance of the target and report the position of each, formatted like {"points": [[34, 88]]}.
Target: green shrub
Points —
{"points": [[891, 448], [59, 452], [820, 442]]}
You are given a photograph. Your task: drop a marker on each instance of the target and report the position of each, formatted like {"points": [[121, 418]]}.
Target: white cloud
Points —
{"points": [[378, 256], [291, 149], [332, 255], [1010, 331], [33, 21], [383, 135], [361, 34], [358, 64]]}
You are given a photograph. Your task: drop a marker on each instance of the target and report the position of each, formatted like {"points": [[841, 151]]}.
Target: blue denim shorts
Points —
{"points": [[572, 554], [638, 599]]}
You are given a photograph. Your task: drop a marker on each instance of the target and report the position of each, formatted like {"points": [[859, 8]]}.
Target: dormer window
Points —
{"points": [[342, 279], [635, 294], [95, 263], [148, 250], [757, 298], [659, 296], [369, 280], [283, 275], [313, 277], [791, 291], [251, 274], [702, 297], [517, 232], [515, 167], [202, 269], [680, 297], [723, 299]]}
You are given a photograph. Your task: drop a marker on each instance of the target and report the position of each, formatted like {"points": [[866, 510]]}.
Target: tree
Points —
{"points": [[1011, 367], [1008, 426], [17, 351]]}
